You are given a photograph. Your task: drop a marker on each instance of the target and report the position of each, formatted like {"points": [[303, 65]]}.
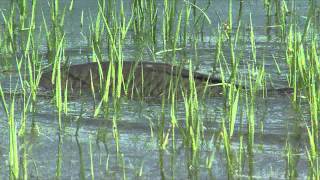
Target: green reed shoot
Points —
{"points": [[153, 18], [140, 173], [186, 26], [13, 141], [198, 8], [233, 100], [211, 156], [23, 15], [3, 101], [91, 159], [241, 153], [81, 160], [232, 95], [25, 109], [55, 34], [176, 37], [115, 54], [119, 76], [97, 32], [218, 51], [193, 129], [252, 40], [254, 85], [301, 58], [291, 171], [93, 91], [116, 33], [11, 43], [233, 92], [230, 16], [312, 155], [163, 137], [34, 75], [23, 9], [236, 37], [123, 164], [227, 149], [65, 99], [105, 97], [174, 122], [169, 15], [277, 64], [291, 55], [14, 154], [116, 132], [56, 79], [198, 22], [59, 158], [139, 8], [284, 12], [313, 131], [30, 40], [107, 163], [26, 101], [71, 5], [297, 62], [309, 20]]}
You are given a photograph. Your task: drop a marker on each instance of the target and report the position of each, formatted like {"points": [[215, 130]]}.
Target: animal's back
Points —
{"points": [[138, 78]]}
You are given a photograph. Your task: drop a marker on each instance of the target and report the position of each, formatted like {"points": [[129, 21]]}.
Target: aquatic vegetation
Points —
{"points": [[180, 89]]}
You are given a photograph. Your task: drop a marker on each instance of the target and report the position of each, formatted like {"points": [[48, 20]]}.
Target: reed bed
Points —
{"points": [[166, 30]]}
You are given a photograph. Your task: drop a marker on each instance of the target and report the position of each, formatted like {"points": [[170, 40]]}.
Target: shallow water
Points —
{"points": [[278, 122]]}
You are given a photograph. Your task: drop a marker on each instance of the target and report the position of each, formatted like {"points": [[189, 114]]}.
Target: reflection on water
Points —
{"points": [[278, 122], [138, 140]]}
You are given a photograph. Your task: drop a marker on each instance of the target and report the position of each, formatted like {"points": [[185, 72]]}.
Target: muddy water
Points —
{"points": [[277, 121]]}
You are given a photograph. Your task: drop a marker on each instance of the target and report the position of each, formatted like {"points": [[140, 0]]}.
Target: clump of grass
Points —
{"points": [[291, 170], [10, 45], [313, 95], [169, 15], [55, 34], [193, 131], [116, 33], [57, 81], [96, 33], [138, 11], [254, 85], [228, 150], [231, 97], [186, 26], [13, 141], [163, 136], [153, 19]]}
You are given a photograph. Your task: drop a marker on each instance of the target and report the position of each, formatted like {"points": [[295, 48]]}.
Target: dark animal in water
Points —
{"points": [[140, 79]]}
